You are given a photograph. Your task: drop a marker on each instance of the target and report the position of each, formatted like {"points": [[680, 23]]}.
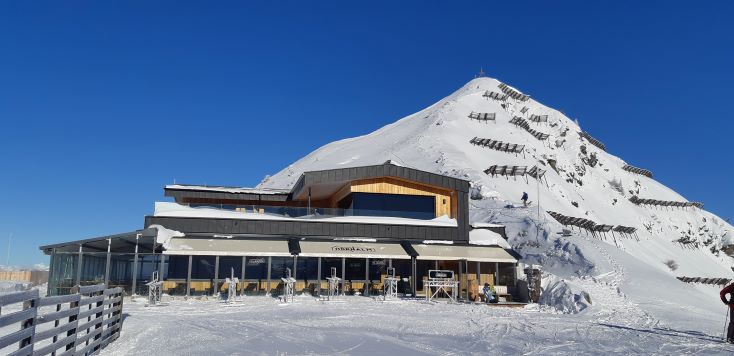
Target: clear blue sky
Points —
{"points": [[104, 102]]}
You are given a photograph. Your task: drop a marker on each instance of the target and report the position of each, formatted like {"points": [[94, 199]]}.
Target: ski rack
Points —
{"points": [[155, 292], [443, 281], [288, 286], [231, 283], [333, 285], [390, 287]]}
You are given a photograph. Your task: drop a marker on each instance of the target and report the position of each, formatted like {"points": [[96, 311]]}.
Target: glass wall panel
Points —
{"points": [[277, 271], [93, 268], [229, 266], [327, 263], [307, 274], [507, 274], [121, 271], [403, 271], [355, 274], [422, 268], [256, 275], [202, 275], [63, 276], [176, 272], [377, 274]]}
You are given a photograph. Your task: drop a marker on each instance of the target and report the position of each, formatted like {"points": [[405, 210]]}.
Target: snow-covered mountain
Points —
{"points": [[620, 275]]}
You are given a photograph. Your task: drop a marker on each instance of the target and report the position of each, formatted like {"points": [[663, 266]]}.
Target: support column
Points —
{"points": [[295, 267], [79, 266], [244, 265], [107, 264], [414, 276], [135, 267], [188, 276], [367, 277], [318, 271], [270, 259], [461, 278], [478, 273], [51, 273], [215, 287], [344, 274]]}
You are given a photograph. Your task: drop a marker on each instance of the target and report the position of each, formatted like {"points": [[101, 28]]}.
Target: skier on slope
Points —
{"points": [[729, 290], [525, 199]]}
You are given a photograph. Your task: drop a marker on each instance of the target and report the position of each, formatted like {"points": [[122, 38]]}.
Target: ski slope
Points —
{"points": [[628, 274]]}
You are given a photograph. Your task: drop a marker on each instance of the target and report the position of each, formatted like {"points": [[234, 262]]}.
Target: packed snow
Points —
{"points": [[361, 325]]}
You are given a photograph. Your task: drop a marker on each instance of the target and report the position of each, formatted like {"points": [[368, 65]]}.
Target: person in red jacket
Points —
{"points": [[729, 290]]}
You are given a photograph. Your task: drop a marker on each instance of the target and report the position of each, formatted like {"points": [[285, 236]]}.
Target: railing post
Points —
{"points": [[73, 319], [99, 316], [30, 322]]}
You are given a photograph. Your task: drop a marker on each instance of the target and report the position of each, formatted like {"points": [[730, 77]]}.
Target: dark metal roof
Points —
{"points": [[124, 242]]}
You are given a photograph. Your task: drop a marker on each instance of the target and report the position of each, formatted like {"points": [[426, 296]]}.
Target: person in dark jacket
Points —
{"points": [[524, 198], [729, 290]]}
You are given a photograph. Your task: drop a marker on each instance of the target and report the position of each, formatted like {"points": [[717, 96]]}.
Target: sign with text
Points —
{"points": [[440, 274]]}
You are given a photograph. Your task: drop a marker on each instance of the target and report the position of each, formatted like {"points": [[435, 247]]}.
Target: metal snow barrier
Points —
{"points": [[80, 324], [443, 281], [390, 287], [539, 118], [494, 95], [520, 122], [710, 281], [592, 140], [591, 226], [482, 116], [509, 171], [513, 93], [524, 109], [497, 145], [536, 172], [637, 170], [665, 203]]}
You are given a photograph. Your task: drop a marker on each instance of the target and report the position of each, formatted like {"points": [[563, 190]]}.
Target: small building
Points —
{"points": [[358, 220]]}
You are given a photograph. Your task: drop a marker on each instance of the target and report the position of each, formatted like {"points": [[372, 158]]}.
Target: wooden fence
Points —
{"points": [[77, 324]]}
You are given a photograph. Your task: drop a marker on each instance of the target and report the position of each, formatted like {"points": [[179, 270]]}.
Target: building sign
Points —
{"points": [[440, 274], [255, 261], [357, 249]]}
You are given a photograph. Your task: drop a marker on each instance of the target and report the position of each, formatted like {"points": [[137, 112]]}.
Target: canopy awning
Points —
{"points": [[351, 250], [227, 247], [469, 253]]}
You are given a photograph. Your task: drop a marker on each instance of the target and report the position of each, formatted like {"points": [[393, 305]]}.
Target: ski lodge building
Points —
{"points": [[358, 220]]}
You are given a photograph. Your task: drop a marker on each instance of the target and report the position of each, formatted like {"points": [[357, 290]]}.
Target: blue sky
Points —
{"points": [[102, 103]]}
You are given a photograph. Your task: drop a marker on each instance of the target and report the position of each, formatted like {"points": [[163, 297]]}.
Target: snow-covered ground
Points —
{"points": [[361, 325]]}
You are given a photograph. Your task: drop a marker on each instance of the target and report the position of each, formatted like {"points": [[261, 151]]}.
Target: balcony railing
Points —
{"points": [[313, 212]]}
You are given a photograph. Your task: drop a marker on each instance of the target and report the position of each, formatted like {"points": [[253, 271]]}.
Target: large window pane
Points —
{"points": [[327, 263], [93, 268], [63, 276], [399, 205], [228, 264]]}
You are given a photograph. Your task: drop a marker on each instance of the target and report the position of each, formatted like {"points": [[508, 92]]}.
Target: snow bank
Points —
{"points": [[563, 295], [487, 237], [164, 235]]}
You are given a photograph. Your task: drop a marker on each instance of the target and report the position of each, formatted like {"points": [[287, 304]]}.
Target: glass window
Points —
{"points": [[398, 205], [403, 271], [355, 269], [278, 267], [93, 268], [63, 276], [202, 267], [256, 268], [307, 268], [377, 269], [178, 267], [327, 263], [227, 264]]}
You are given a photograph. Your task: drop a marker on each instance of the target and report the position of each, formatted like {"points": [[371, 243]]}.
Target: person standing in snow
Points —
{"points": [[525, 199], [730, 302]]}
